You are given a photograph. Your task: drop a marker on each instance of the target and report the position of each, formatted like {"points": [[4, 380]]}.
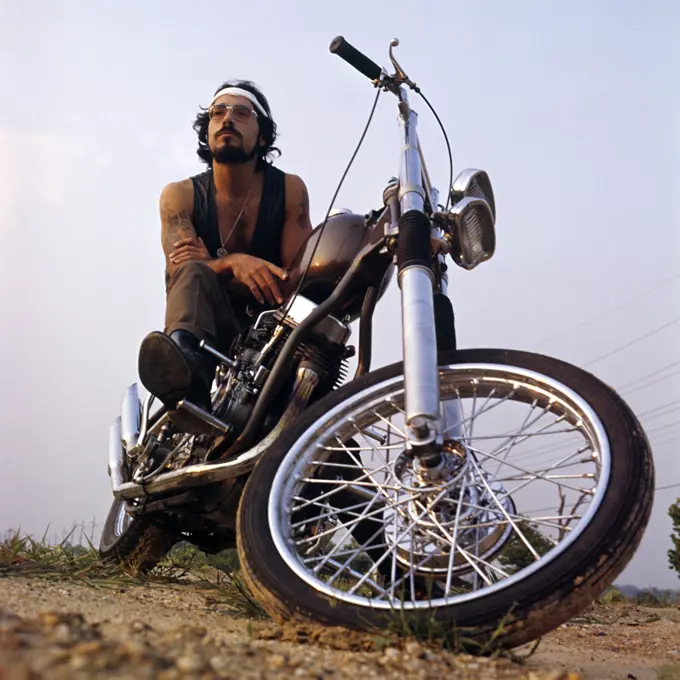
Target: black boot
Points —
{"points": [[173, 367]]}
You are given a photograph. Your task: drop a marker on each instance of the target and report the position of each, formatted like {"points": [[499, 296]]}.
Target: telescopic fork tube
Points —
{"points": [[414, 260]]}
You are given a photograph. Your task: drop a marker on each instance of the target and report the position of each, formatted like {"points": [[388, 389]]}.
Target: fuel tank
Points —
{"points": [[332, 253]]}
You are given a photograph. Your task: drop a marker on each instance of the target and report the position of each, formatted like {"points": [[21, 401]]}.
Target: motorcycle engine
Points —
{"points": [[325, 350]]}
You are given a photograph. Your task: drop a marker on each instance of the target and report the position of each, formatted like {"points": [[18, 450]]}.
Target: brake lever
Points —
{"points": [[400, 75]]}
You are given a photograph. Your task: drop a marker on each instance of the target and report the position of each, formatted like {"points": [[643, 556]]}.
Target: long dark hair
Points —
{"points": [[267, 127]]}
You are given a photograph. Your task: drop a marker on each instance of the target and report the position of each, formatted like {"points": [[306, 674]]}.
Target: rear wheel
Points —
{"points": [[510, 543], [139, 544]]}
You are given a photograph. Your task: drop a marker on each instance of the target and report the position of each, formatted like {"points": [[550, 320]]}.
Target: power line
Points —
{"points": [[661, 415], [662, 427], [659, 408], [668, 486], [649, 375], [611, 310], [650, 383], [633, 342]]}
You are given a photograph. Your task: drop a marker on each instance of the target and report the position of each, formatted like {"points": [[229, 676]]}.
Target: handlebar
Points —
{"points": [[355, 58]]}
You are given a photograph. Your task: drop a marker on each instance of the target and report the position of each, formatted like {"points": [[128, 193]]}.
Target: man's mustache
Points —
{"points": [[230, 130]]}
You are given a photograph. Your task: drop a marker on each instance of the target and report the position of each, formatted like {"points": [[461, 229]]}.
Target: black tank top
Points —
{"points": [[266, 241]]}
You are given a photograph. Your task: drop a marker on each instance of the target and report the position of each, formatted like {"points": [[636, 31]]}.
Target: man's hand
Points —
{"points": [[189, 249], [256, 274]]}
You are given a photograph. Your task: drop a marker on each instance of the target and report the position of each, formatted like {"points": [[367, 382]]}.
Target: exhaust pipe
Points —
{"points": [[116, 456], [209, 473], [131, 416]]}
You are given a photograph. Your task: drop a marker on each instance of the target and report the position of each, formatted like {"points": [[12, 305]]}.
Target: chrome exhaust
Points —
{"points": [[116, 456], [131, 417], [209, 473]]}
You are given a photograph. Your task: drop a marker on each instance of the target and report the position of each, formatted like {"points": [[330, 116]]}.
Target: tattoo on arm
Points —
{"points": [[176, 224], [303, 217]]}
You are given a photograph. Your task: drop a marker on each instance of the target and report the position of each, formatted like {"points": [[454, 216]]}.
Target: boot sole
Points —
{"points": [[162, 368]]}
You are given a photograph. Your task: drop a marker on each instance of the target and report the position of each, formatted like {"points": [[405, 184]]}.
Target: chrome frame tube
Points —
{"points": [[419, 342]]}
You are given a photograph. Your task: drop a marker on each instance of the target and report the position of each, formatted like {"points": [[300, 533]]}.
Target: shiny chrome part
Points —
{"points": [[122, 521], [411, 192], [209, 473], [399, 75], [204, 416], [143, 430], [116, 455], [391, 201], [230, 363], [269, 312], [452, 418], [419, 343], [474, 232], [475, 183], [334, 330], [452, 529], [418, 547], [131, 416]]}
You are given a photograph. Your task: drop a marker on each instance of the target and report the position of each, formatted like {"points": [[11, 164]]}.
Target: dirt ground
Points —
{"points": [[58, 630]]}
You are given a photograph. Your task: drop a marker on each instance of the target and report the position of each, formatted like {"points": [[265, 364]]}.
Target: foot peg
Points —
{"points": [[209, 422]]}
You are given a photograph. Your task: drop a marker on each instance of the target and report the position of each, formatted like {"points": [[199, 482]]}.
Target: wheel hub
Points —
{"points": [[428, 518]]}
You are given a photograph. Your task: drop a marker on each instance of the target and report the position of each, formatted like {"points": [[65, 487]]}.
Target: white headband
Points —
{"points": [[238, 92]]}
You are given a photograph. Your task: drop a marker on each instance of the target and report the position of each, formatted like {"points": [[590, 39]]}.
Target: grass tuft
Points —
{"points": [[28, 557]]}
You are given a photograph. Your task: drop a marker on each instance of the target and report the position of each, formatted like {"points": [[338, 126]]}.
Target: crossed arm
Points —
{"points": [[181, 243]]}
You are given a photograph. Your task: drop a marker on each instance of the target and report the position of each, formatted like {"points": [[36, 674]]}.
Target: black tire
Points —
{"points": [[140, 546], [519, 613]]}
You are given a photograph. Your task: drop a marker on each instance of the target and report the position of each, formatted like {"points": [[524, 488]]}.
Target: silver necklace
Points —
{"points": [[222, 251]]}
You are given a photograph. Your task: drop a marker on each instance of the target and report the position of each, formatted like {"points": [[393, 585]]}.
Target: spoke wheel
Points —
{"points": [[543, 494]]}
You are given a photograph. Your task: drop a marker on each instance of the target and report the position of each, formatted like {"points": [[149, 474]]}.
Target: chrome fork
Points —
{"points": [[416, 281]]}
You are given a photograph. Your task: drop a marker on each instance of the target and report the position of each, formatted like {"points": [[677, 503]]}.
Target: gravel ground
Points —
{"points": [[59, 630]]}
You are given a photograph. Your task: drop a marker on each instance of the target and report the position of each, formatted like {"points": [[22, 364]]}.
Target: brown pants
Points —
{"points": [[196, 301]]}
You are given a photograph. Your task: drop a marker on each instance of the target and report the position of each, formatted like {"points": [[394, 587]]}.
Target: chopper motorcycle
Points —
{"points": [[487, 490]]}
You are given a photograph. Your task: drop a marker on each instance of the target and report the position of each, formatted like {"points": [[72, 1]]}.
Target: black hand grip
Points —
{"points": [[355, 58]]}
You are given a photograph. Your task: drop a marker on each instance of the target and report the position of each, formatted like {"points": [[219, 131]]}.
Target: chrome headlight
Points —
{"points": [[472, 218], [473, 234], [473, 182]]}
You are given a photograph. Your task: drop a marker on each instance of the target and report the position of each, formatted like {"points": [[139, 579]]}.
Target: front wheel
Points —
{"points": [[545, 493]]}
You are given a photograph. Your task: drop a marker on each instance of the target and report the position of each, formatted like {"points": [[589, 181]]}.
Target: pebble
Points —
{"points": [[78, 663], [414, 649], [276, 661], [87, 648], [391, 655], [135, 650], [220, 665], [139, 627], [62, 634], [190, 664], [49, 619]]}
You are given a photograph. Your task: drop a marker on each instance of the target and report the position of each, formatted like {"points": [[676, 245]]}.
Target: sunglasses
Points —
{"points": [[239, 112]]}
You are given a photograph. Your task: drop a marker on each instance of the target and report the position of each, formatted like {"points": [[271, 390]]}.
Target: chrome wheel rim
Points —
{"points": [[437, 511]]}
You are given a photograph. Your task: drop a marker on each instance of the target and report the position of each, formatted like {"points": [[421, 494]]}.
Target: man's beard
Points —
{"points": [[233, 155]]}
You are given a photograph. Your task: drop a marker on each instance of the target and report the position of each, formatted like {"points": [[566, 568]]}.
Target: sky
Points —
{"points": [[572, 108]]}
